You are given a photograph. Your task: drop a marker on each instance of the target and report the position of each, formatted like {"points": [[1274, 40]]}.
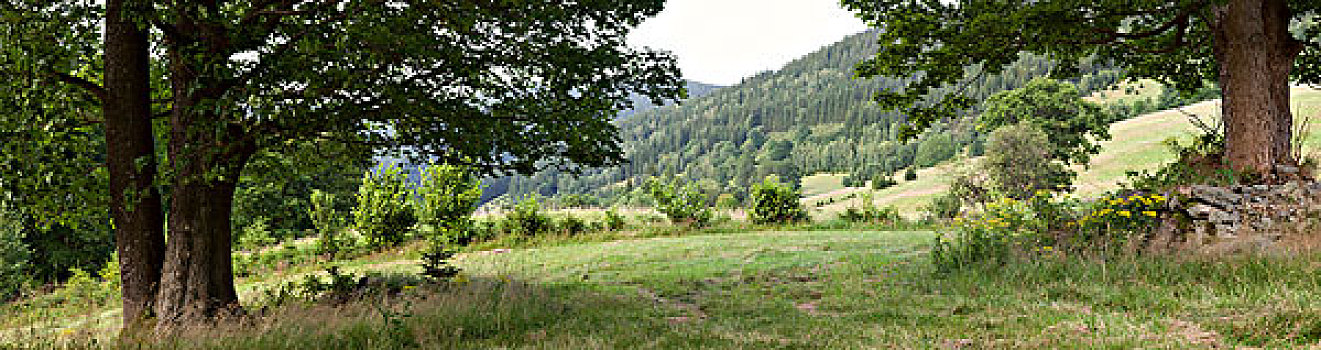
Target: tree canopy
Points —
{"points": [[1072, 125]]}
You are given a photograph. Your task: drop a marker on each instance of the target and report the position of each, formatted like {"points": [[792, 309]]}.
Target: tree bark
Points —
{"points": [[131, 160], [1255, 52], [197, 283]]}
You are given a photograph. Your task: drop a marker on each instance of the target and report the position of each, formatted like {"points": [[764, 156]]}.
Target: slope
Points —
{"points": [[1137, 144]]}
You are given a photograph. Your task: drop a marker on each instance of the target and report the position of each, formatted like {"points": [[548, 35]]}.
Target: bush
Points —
{"points": [[383, 215], [1111, 221], [775, 203], [572, 225], [946, 206], [613, 221], [1004, 230], [683, 203], [527, 220], [447, 197], [935, 149], [882, 182], [869, 213], [14, 258], [727, 201], [1018, 162], [1200, 162], [910, 174], [1009, 229], [328, 224], [256, 235]]}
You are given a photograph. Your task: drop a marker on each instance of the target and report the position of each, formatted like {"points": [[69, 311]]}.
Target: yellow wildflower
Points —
{"points": [[1125, 213], [1149, 213]]}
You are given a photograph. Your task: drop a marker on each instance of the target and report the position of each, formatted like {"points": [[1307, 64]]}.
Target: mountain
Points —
{"points": [[810, 116], [643, 104]]}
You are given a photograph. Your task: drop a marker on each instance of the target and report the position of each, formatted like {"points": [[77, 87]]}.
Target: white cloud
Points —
{"points": [[724, 41]]}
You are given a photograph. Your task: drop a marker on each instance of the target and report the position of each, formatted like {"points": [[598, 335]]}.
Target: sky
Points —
{"points": [[723, 41]]}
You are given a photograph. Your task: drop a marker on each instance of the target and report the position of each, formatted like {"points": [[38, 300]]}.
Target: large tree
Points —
{"points": [[1253, 48], [500, 85]]}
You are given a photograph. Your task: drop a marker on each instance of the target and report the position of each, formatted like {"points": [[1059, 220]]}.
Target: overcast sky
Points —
{"points": [[723, 41]]}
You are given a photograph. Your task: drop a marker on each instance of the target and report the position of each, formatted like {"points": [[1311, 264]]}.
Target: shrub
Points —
{"points": [[328, 224], [881, 182], [1111, 221], [1199, 162], [935, 149], [946, 206], [682, 203], [1004, 229], [1018, 162], [14, 258], [447, 197], [256, 235], [613, 221], [572, 225], [727, 201], [869, 213], [1046, 224], [527, 220], [910, 174], [383, 216], [775, 203], [84, 289]]}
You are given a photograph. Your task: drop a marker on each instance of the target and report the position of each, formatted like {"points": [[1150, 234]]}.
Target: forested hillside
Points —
{"points": [[811, 116]]}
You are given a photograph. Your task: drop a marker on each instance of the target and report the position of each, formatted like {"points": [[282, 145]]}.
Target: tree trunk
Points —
{"points": [[207, 154], [135, 204], [1255, 52], [197, 283]]}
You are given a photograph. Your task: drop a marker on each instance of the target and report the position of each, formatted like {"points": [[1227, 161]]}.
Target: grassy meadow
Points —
{"points": [[795, 289]]}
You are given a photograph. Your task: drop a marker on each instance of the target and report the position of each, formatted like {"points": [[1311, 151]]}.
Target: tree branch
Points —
{"points": [[92, 88], [1180, 20]]}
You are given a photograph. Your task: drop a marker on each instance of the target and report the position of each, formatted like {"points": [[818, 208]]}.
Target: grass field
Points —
{"points": [[807, 289]]}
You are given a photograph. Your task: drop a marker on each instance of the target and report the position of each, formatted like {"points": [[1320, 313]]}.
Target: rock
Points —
{"points": [[1222, 217], [1201, 211], [1216, 196], [1286, 169]]}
